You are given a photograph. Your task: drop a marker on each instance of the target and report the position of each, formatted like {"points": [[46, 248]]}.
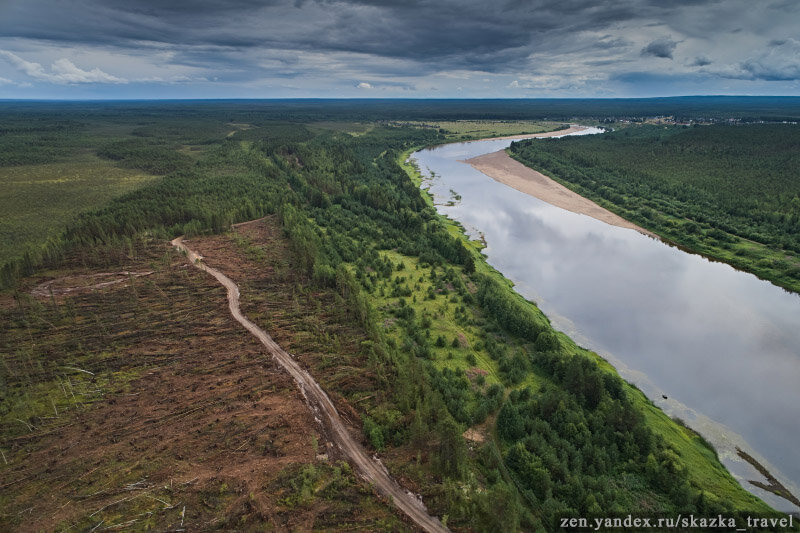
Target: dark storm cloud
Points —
{"points": [[462, 34], [700, 61], [660, 48], [510, 43]]}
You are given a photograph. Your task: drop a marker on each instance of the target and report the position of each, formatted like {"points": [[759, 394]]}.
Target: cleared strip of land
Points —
{"points": [[501, 167], [321, 404]]}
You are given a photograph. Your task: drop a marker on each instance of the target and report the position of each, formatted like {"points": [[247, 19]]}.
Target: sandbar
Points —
{"points": [[503, 168], [573, 128]]}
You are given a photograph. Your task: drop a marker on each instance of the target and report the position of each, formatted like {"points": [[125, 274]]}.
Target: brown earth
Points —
{"points": [[325, 413], [83, 282], [165, 414]]}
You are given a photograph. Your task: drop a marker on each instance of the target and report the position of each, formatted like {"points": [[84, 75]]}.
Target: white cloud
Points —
{"points": [[364, 85], [61, 71], [780, 62], [65, 70], [34, 70]]}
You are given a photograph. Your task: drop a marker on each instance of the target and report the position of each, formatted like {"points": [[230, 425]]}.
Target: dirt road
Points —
{"points": [[324, 410]]}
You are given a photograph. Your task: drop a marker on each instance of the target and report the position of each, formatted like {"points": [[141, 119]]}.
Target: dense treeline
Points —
{"points": [[575, 446], [227, 185], [748, 108], [576, 443], [731, 192], [514, 315], [30, 142], [153, 157]]}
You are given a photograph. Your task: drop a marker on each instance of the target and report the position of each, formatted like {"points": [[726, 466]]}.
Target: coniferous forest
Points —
{"points": [[443, 343]]}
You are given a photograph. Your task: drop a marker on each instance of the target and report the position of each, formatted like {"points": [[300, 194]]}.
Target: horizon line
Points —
{"points": [[313, 98]]}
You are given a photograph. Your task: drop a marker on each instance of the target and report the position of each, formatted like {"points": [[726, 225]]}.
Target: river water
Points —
{"points": [[721, 345]]}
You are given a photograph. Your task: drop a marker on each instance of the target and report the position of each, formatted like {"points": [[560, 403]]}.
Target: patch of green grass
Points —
{"points": [[135, 503], [253, 252], [29, 407], [703, 466], [481, 129], [334, 488], [440, 311], [37, 201]]}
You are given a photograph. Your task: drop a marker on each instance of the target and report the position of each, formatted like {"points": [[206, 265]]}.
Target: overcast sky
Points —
{"points": [[397, 48]]}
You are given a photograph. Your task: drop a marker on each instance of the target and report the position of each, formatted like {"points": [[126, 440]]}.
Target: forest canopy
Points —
{"points": [[452, 345]]}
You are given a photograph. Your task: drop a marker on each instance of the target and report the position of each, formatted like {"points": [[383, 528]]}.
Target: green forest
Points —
{"points": [[453, 346], [730, 192]]}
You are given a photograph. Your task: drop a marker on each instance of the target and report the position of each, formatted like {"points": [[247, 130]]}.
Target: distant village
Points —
{"points": [[683, 121]]}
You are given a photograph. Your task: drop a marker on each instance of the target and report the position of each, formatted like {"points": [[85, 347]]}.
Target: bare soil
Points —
{"points": [[84, 282], [193, 425], [325, 413]]}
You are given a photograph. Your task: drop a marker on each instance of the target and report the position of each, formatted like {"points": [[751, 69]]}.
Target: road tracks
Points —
{"points": [[324, 411]]}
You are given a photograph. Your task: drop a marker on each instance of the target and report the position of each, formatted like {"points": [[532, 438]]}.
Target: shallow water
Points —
{"points": [[722, 345]]}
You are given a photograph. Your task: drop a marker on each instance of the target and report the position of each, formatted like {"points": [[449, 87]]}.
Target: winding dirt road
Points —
{"points": [[374, 472]]}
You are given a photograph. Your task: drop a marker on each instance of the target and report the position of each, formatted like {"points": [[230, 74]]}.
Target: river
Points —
{"points": [[721, 345]]}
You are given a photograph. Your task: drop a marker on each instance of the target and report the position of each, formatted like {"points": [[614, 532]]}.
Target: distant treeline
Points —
{"points": [[26, 141], [731, 192], [747, 108]]}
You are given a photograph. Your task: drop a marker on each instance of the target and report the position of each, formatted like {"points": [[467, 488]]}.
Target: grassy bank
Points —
{"points": [[697, 459], [467, 130]]}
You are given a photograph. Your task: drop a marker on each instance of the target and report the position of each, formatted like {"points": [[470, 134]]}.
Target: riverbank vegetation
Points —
{"points": [[464, 130], [731, 193], [463, 387]]}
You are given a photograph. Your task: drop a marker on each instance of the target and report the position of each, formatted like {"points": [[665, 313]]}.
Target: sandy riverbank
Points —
{"points": [[501, 167], [573, 128]]}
